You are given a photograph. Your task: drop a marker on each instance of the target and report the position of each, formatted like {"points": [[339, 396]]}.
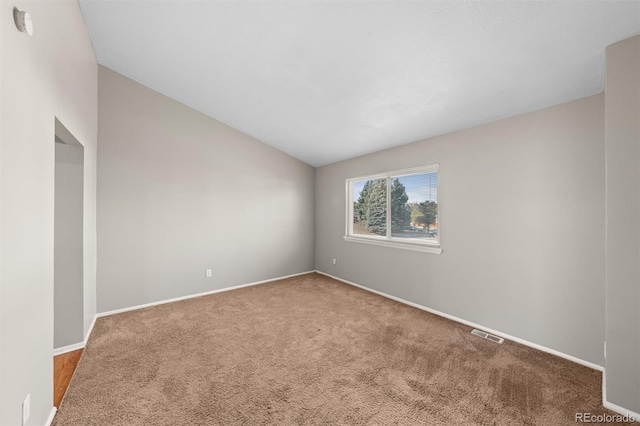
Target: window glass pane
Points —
{"points": [[414, 207], [370, 207]]}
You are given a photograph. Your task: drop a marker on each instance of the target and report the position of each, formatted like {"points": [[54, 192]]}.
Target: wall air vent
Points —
{"points": [[487, 336]]}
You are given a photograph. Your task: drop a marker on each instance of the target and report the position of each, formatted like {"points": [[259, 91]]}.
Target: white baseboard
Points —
{"points": [[613, 407], [474, 325], [191, 296], [52, 414], [79, 345], [69, 348], [621, 410]]}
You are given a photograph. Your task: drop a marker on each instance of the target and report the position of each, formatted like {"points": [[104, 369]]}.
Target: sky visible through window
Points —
{"points": [[420, 187]]}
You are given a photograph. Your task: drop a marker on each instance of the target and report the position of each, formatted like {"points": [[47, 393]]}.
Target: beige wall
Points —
{"points": [[622, 95], [51, 74], [522, 227], [179, 192]]}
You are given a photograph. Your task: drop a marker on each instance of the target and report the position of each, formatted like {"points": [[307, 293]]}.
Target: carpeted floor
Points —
{"points": [[310, 350]]}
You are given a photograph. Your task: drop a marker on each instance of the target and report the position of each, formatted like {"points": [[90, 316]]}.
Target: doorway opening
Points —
{"points": [[68, 280]]}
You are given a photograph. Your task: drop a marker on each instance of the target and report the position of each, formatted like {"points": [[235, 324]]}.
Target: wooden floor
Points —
{"points": [[63, 367]]}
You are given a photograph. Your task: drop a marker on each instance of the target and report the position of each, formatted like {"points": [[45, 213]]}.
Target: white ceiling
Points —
{"points": [[329, 80]]}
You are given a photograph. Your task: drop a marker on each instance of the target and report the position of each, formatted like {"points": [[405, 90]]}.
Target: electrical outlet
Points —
{"points": [[26, 409], [208, 273], [334, 261]]}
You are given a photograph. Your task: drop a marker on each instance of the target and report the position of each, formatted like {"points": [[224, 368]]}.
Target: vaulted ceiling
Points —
{"points": [[329, 80]]}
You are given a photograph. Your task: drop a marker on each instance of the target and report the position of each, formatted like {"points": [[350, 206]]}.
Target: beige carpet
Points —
{"points": [[311, 350]]}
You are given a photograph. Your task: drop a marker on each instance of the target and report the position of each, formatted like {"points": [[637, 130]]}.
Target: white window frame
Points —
{"points": [[388, 240]]}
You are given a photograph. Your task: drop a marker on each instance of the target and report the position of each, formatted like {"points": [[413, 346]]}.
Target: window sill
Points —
{"points": [[394, 244]]}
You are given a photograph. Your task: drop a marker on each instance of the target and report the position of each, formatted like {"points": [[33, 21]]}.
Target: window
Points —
{"points": [[395, 209]]}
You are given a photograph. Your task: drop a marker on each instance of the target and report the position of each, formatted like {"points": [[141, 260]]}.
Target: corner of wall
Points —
{"points": [[622, 111]]}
